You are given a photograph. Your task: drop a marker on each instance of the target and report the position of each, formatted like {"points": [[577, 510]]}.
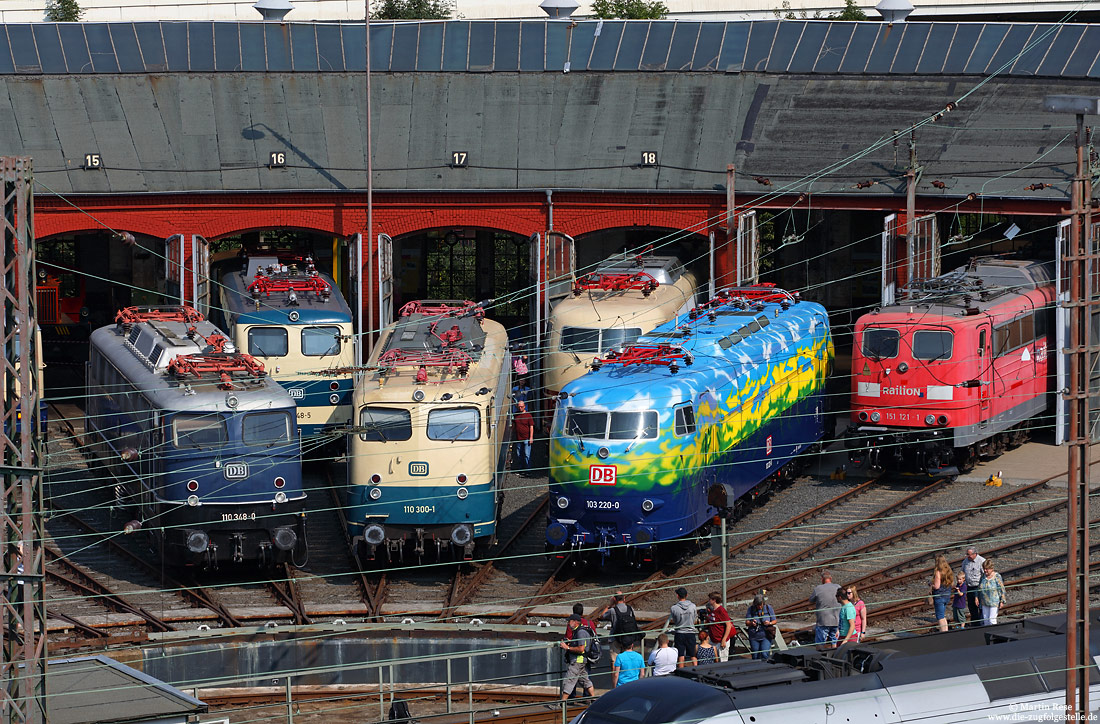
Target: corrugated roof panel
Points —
{"points": [[481, 46], [405, 39], [682, 50], [1035, 50], [456, 46], [782, 51], [631, 46], [736, 40], [429, 50], [506, 58], [655, 53], [962, 47], [175, 45], [1060, 50], [708, 47], [985, 48], [73, 44], [1082, 57], [532, 47], [832, 50], [606, 46], [303, 46], [809, 47], [49, 47], [227, 46], [911, 47], [152, 47], [23, 49], [761, 38], [330, 47]]}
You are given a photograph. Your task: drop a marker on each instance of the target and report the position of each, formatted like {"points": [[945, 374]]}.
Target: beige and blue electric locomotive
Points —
{"points": [[426, 460], [202, 443]]}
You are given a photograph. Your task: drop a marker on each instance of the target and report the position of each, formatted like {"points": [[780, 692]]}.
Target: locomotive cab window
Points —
{"points": [[265, 428], [454, 423], [932, 344], [633, 425], [268, 342], [580, 339], [198, 431], [619, 337], [586, 423], [880, 342], [385, 424], [320, 341], [685, 420]]}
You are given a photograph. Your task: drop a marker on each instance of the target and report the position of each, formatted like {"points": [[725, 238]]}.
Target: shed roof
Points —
{"points": [[100, 690]]}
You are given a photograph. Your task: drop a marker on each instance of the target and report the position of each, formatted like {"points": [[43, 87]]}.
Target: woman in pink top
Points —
{"points": [[861, 612]]}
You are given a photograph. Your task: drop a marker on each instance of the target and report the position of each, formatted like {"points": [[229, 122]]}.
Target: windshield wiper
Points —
{"points": [[460, 432]]}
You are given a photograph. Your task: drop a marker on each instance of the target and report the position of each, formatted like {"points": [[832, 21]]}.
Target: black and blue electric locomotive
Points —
{"points": [[202, 443]]}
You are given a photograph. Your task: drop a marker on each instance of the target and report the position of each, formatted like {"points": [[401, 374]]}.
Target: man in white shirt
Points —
{"points": [[972, 567], [663, 658]]}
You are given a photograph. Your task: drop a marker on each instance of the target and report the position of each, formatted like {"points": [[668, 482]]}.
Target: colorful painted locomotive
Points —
{"points": [[295, 320], [202, 443], [611, 308], [955, 374], [425, 466], [692, 421]]}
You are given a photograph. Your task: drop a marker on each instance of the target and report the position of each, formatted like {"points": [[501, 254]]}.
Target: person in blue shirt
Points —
{"points": [[629, 666]]}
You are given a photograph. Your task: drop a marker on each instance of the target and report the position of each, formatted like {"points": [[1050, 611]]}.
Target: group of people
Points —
{"points": [[841, 613], [977, 589]]}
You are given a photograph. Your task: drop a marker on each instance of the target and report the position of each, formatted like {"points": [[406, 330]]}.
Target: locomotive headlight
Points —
{"points": [[863, 416], [903, 368], [875, 417], [231, 401], [193, 485], [603, 453], [647, 505], [376, 479], [334, 399], [375, 493], [192, 500], [334, 386], [929, 419], [562, 502], [280, 497], [461, 478], [942, 419], [463, 493], [280, 482]]}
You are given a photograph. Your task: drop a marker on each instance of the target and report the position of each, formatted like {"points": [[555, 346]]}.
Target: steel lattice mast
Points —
{"points": [[22, 597]]}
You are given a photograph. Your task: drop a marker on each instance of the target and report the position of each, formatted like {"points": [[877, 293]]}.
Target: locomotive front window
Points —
{"points": [[454, 423], [585, 423], [385, 424], [268, 342], [580, 339], [320, 341], [619, 337], [199, 431], [929, 344], [633, 425], [880, 342], [265, 428]]}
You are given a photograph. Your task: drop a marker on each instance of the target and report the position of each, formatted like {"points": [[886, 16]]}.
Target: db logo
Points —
{"points": [[768, 446], [235, 471], [418, 468], [601, 474], [297, 393]]}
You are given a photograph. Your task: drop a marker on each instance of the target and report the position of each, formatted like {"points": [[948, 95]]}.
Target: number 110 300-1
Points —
{"points": [[419, 508]]}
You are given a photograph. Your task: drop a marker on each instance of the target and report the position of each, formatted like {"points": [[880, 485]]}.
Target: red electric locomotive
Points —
{"points": [[956, 373]]}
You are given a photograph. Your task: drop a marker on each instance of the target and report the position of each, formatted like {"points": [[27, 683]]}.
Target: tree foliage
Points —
{"points": [[851, 11], [629, 9], [411, 9], [63, 11]]}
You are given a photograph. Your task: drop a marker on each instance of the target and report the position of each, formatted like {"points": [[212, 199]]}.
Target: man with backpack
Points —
{"points": [[581, 649], [624, 626]]}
